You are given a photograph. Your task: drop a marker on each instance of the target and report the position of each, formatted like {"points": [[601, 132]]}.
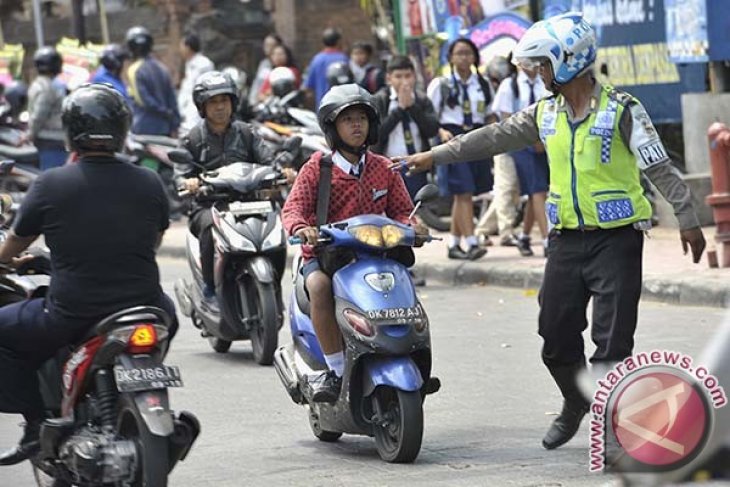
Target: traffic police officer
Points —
{"points": [[598, 140]]}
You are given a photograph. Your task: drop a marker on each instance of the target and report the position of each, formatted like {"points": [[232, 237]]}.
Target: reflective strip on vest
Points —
{"points": [[594, 178]]}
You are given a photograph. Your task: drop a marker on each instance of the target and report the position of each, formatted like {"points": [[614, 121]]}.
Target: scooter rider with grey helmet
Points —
{"points": [[217, 140]]}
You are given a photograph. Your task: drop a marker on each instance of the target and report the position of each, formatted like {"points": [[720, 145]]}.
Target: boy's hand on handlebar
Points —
{"points": [[308, 235], [421, 233]]}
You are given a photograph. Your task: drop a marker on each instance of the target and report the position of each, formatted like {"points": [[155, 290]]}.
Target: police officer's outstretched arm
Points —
{"points": [[651, 156], [517, 132]]}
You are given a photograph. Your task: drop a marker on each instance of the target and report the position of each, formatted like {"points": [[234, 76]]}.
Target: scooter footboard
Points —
{"points": [[397, 372]]}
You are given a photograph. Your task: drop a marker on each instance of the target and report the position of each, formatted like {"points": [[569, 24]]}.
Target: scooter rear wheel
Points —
{"points": [[153, 458], [322, 435], [399, 429]]}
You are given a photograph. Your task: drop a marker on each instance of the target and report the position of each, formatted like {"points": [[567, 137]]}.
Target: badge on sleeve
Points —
{"points": [[645, 142], [652, 153]]}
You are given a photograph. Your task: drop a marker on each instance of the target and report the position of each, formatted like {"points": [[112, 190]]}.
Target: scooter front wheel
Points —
{"points": [[219, 345], [265, 334], [322, 435], [398, 427]]}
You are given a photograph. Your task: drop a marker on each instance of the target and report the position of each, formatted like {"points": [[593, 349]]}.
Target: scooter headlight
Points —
{"points": [[274, 238], [367, 234], [392, 235], [236, 239]]}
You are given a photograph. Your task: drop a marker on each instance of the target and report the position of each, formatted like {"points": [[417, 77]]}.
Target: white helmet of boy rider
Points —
{"points": [[337, 100], [567, 42]]}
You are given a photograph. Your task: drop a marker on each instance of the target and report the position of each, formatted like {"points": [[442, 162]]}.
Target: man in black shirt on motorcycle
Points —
{"points": [[103, 219], [216, 141]]}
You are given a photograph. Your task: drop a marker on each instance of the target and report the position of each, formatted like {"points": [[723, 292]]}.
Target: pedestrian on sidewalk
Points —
{"points": [[463, 99], [521, 90], [196, 64], [316, 76], [598, 141], [500, 217]]}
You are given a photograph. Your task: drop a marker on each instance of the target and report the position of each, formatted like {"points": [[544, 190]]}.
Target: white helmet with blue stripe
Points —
{"points": [[567, 42]]}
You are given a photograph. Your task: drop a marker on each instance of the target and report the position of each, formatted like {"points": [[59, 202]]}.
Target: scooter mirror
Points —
{"points": [[292, 144], [427, 193]]}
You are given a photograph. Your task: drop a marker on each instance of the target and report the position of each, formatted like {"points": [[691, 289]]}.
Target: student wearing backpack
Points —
{"points": [[367, 74], [463, 101]]}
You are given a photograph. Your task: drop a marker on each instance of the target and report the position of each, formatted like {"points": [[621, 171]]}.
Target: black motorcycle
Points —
{"points": [[250, 258]]}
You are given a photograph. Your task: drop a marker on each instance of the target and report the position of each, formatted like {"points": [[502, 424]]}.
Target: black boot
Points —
{"points": [[575, 407], [29, 444]]}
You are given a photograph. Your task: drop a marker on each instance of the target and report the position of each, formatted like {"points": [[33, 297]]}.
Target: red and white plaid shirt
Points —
{"points": [[378, 191]]}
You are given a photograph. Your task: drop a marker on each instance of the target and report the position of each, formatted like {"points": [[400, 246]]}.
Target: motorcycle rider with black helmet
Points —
{"points": [[155, 109], [45, 96], [103, 219], [361, 183], [112, 61], [215, 141]]}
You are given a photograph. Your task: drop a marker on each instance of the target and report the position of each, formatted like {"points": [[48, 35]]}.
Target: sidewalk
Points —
{"points": [[669, 276]]}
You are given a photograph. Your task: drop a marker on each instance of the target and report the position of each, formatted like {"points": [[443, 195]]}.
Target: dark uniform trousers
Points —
{"points": [[201, 225], [29, 335], [604, 265]]}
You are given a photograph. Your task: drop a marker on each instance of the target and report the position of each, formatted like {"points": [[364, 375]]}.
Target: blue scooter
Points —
{"points": [[387, 340]]}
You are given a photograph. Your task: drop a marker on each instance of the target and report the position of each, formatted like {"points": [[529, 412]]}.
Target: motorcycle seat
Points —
{"points": [[301, 296], [129, 316]]}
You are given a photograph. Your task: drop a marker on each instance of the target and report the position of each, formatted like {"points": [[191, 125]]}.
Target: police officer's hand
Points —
{"points": [[308, 235], [421, 233], [419, 162], [695, 240], [192, 185]]}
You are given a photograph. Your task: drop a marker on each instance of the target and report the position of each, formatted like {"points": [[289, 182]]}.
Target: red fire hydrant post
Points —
{"points": [[719, 200]]}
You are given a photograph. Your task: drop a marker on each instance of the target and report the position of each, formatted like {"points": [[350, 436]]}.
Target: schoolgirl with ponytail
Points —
{"points": [[463, 101]]}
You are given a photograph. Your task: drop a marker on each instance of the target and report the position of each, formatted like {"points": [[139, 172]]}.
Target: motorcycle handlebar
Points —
{"points": [[298, 240]]}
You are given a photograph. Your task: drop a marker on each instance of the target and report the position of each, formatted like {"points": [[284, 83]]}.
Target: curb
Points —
{"points": [[684, 291]]}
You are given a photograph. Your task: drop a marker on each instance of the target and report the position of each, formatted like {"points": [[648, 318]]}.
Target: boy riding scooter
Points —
{"points": [[361, 183]]}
